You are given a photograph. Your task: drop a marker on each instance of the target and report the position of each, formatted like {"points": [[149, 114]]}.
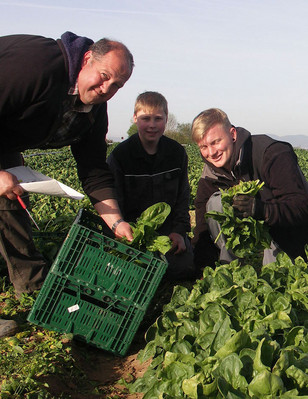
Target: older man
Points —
{"points": [[54, 93]]}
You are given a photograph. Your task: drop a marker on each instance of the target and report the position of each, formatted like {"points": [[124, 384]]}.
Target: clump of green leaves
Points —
{"points": [[237, 334], [31, 354], [145, 236], [245, 237]]}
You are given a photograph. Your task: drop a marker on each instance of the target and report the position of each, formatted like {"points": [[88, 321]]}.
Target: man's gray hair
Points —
{"points": [[104, 46]]}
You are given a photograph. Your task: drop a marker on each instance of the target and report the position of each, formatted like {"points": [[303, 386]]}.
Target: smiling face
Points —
{"points": [[100, 78], [151, 125], [217, 145]]}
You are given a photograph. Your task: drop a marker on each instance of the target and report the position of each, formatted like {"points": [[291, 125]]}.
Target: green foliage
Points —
{"points": [[182, 134], [144, 229], [132, 130], [31, 354], [246, 237], [195, 167], [236, 334], [302, 156], [54, 213]]}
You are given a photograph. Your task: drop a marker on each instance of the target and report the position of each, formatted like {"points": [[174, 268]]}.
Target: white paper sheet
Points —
{"points": [[36, 182]]}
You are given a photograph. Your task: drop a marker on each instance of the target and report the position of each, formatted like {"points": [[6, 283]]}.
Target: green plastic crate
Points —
{"points": [[98, 288]]}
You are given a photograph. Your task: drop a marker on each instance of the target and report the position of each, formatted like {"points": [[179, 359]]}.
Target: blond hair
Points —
{"points": [[151, 100], [203, 122]]}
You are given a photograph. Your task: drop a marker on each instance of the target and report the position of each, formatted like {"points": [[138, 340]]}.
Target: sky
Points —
{"points": [[247, 57]]}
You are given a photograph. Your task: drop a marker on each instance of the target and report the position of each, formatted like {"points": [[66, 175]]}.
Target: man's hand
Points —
{"points": [[178, 243], [123, 229], [246, 206], [9, 186], [109, 210]]}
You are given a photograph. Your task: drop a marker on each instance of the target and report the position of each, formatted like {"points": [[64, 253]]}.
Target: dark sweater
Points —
{"points": [[35, 76], [284, 195], [143, 180]]}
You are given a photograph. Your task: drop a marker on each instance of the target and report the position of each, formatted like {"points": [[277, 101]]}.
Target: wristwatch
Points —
{"points": [[115, 224]]}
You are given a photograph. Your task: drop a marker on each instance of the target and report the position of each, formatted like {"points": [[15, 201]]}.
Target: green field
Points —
{"points": [[274, 326]]}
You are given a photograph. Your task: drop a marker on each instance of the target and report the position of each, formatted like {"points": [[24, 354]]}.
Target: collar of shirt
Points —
{"points": [[78, 106]]}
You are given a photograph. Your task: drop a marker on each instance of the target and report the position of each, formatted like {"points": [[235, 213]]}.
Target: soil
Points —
{"points": [[109, 369], [101, 372]]}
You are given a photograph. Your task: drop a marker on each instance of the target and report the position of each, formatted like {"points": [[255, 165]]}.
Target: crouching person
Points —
{"points": [[231, 154], [149, 168]]}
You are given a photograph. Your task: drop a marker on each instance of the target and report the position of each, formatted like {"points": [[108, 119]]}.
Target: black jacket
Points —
{"points": [[35, 76], [284, 195], [142, 180]]}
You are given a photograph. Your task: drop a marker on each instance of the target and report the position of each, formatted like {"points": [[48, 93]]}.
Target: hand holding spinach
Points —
{"points": [[246, 205], [145, 236], [245, 236]]}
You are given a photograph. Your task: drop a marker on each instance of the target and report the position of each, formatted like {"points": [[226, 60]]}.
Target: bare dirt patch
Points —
{"points": [[100, 373]]}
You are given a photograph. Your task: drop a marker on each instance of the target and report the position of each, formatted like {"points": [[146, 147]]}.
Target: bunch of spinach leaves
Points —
{"points": [[145, 236], [245, 237], [237, 334]]}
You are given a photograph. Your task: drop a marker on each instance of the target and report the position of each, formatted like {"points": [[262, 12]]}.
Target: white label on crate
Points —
{"points": [[73, 308]]}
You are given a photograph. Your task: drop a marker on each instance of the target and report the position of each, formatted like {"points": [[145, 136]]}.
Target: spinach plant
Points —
{"points": [[237, 334], [145, 236], [246, 237]]}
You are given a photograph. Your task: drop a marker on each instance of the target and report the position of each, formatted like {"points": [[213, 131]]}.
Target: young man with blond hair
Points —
{"points": [[148, 168], [231, 154]]}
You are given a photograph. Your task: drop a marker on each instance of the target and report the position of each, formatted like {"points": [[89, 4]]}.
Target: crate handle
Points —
{"points": [[111, 244], [106, 299], [130, 251], [88, 290]]}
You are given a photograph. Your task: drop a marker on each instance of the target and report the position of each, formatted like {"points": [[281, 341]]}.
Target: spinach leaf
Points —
{"points": [[245, 237], [145, 236]]}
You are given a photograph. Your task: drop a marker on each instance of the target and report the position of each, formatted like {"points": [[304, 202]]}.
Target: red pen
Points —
{"points": [[25, 208]]}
